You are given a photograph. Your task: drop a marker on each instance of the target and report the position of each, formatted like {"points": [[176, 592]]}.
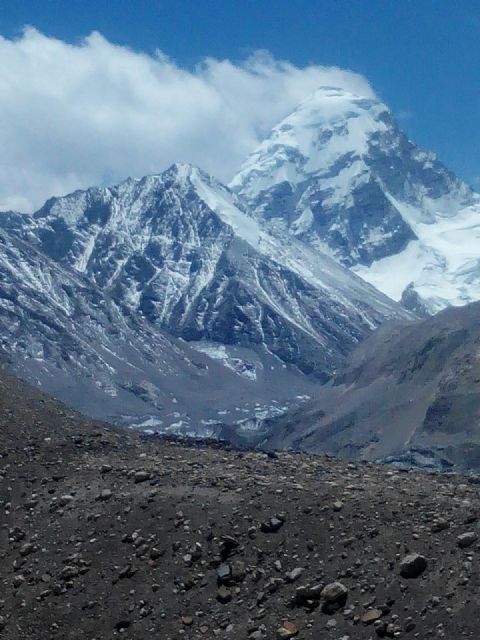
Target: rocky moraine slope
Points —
{"points": [[103, 535]]}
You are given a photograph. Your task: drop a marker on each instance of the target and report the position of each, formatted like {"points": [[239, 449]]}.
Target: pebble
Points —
{"points": [[412, 565], [465, 540]]}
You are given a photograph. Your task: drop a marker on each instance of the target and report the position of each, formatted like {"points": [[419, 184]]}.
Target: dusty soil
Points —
{"points": [[103, 535]]}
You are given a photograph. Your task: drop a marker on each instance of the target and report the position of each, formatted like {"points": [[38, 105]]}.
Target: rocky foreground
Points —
{"points": [[103, 535]]}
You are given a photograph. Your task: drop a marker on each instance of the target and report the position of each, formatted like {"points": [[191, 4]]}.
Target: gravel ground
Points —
{"points": [[104, 535]]}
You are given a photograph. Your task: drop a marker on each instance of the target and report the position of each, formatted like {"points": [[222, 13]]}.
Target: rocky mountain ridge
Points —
{"points": [[170, 269], [64, 334]]}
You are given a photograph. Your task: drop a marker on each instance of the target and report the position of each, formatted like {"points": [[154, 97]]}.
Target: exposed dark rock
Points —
{"points": [[467, 539], [334, 597], [412, 565]]}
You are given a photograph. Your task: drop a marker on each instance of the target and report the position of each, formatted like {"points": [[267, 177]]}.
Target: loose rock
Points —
{"points": [[412, 566]]}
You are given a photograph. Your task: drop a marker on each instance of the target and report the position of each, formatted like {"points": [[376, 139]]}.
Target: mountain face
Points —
{"points": [[339, 175], [177, 250], [163, 302], [66, 335], [410, 394], [175, 303]]}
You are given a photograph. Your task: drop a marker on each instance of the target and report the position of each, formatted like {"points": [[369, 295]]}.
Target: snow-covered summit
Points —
{"points": [[331, 123], [339, 175]]}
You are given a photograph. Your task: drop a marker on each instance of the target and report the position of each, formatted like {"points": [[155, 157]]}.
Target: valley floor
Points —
{"points": [[103, 535]]}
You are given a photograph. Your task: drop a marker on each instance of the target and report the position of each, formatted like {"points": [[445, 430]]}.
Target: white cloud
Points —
{"points": [[72, 116]]}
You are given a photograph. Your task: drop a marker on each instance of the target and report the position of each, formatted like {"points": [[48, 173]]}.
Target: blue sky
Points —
{"points": [[421, 57]]}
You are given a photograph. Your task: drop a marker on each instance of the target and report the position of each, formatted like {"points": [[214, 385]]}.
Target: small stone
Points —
{"points": [[27, 549], [409, 625], [287, 630], [440, 525], [141, 476], [238, 570], [127, 572], [371, 616], [121, 625], [305, 593], [187, 621], [17, 534], [18, 581], [224, 595], [272, 525], [294, 574], [224, 573], [412, 566], [465, 540], [335, 596], [105, 494], [68, 572], [156, 553]]}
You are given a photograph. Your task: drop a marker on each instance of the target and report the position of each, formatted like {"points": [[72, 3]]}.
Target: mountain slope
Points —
{"points": [[61, 332], [178, 250], [410, 393], [339, 175]]}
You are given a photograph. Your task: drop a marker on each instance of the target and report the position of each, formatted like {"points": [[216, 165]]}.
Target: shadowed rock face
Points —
{"points": [[107, 534], [410, 394], [348, 229]]}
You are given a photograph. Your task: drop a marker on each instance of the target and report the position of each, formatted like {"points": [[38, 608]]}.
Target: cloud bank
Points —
{"points": [[72, 116]]}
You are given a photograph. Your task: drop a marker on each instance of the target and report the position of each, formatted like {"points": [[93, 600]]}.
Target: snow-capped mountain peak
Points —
{"points": [[322, 130], [339, 175]]}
